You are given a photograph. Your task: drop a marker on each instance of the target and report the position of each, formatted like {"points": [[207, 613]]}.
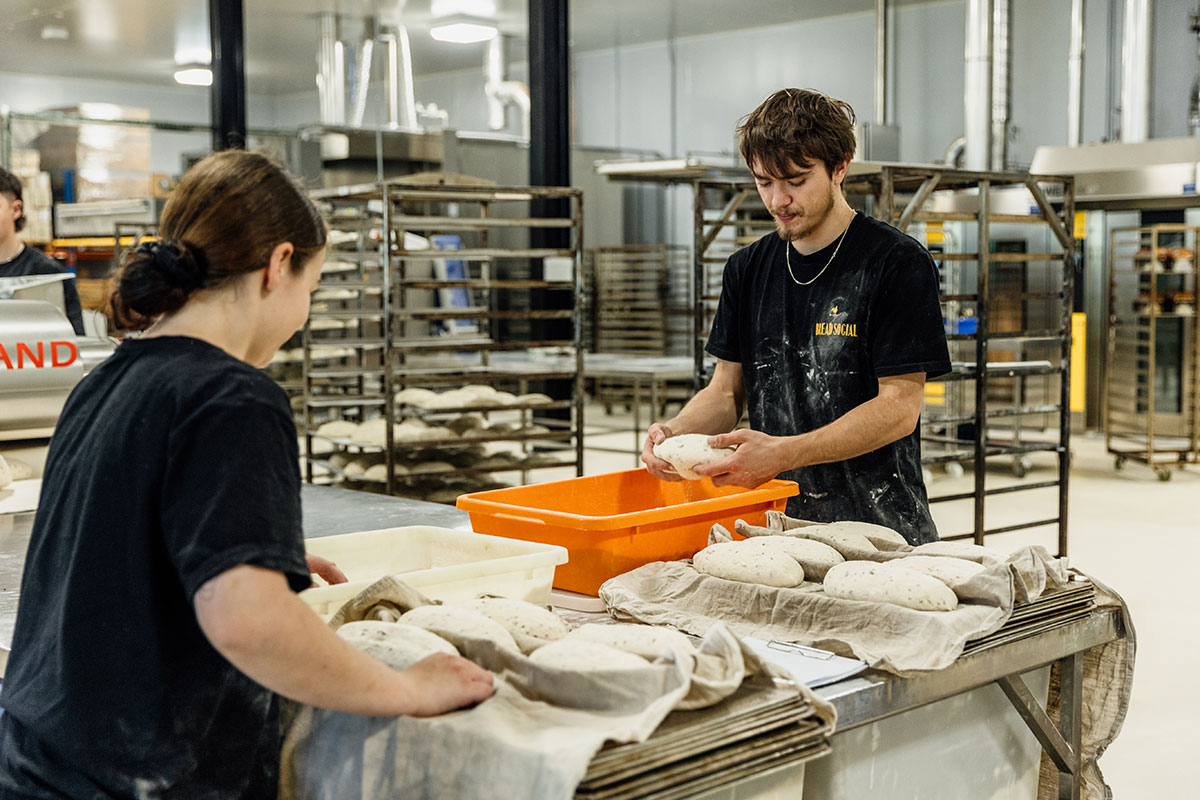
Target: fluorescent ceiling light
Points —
{"points": [[463, 32], [194, 76]]}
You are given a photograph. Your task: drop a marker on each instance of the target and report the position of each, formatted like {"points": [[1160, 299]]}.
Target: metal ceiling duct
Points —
{"points": [[1135, 71], [978, 93], [331, 71], [1001, 82], [1075, 75], [362, 74], [502, 93], [398, 80], [881, 56]]}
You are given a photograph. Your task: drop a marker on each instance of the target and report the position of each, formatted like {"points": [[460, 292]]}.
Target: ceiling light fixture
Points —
{"points": [[194, 76], [463, 32]]}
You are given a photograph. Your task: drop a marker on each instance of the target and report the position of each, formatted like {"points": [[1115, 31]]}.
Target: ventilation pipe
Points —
{"points": [[501, 93], [1001, 82], [398, 80], [881, 54], [1075, 76], [1135, 71], [331, 71], [362, 73], [978, 94]]}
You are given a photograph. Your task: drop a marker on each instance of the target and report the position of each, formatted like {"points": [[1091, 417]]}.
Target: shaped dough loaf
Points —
{"points": [[689, 450], [579, 655], [646, 641], [971, 552], [815, 557], [882, 537], [395, 644], [888, 583], [947, 569], [749, 563], [530, 625], [456, 623]]}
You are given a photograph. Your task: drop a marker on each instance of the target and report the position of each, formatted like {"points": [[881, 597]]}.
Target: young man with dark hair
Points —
{"points": [[17, 259], [826, 330]]}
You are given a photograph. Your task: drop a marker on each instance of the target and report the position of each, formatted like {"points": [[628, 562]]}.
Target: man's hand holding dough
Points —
{"points": [[757, 459]]}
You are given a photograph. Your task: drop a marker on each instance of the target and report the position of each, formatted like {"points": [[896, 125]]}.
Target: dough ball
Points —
{"points": [[530, 625], [647, 641], [578, 655], [850, 544], [815, 557], [6, 476], [882, 537], [534, 399], [689, 450], [749, 563], [395, 644], [888, 583], [456, 623], [465, 422], [373, 432]]}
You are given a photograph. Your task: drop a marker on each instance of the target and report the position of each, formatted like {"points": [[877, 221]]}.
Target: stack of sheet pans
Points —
{"points": [[762, 727], [1054, 608]]}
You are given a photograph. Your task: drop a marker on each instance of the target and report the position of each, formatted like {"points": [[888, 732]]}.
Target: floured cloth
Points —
{"points": [[533, 738], [1107, 681], [889, 637]]}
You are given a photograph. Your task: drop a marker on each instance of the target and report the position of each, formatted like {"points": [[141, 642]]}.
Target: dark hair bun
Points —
{"points": [[157, 278]]}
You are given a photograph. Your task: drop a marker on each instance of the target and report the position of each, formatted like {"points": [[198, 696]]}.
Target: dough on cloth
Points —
{"points": [[395, 644], [689, 450], [530, 625], [815, 557], [647, 641], [880, 536], [580, 655], [749, 563], [947, 569], [888, 583], [454, 623]]}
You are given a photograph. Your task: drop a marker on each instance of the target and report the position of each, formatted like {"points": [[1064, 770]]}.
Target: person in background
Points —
{"points": [[826, 329], [17, 259], [158, 621]]}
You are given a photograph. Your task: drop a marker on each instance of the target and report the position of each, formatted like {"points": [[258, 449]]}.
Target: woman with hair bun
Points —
{"points": [[158, 619]]}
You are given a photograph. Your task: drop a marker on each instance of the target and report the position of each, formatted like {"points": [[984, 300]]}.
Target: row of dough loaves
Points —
{"points": [[924, 579], [373, 432], [515, 625], [473, 396]]}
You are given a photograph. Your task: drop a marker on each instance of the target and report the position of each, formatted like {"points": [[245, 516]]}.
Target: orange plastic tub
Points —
{"points": [[617, 521]]}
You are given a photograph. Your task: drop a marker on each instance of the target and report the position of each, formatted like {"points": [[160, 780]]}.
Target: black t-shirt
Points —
{"points": [[172, 463], [809, 354], [31, 261]]}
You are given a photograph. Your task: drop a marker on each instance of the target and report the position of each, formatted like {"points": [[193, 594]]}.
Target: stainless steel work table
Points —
{"points": [[861, 701]]}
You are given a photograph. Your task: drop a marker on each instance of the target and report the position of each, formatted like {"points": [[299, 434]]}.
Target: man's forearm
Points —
{"points": [[864, 429], [711, 411]]}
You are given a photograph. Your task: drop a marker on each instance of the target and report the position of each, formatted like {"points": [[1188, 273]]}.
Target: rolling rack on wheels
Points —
{"points": [[1152, 392], [1008, 310], [438, 313]]}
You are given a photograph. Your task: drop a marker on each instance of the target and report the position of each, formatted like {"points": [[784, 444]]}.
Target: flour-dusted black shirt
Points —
{"points": [[172, 463], [34, 262], [810, 354]]}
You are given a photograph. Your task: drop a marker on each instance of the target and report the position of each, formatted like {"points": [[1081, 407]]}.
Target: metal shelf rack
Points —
{"points": [[1152, 391], [452, 303], [1029, 383]]}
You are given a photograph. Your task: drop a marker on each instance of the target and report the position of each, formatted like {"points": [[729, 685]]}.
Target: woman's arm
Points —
{"points": [[253, 618]]}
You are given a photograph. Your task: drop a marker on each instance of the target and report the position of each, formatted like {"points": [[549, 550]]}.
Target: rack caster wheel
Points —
{"points": [[1163, 473], [1119, 463], [954, 469]]}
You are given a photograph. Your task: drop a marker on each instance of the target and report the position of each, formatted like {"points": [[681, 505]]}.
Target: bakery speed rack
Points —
{"points": [[453, 313], [1152, 385], [1007, 308]]}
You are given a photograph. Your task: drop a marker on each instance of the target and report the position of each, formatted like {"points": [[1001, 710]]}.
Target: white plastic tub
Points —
{"points": [[441, 563]]}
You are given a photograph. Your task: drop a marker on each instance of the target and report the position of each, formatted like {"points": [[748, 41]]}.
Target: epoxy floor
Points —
{"points": [[1135, 533]]}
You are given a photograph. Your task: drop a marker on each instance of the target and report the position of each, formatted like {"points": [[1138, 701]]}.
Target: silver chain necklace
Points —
{"points": [[788, 256]]}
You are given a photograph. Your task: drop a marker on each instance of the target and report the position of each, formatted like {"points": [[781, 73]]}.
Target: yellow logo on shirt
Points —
{"points": [[836, 328]]}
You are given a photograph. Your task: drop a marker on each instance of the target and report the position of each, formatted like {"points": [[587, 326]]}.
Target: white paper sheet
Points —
{"points": [[807, 665]]}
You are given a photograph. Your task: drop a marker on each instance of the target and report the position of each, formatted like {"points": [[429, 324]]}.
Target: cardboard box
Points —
{"points": [[88, 149]]}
